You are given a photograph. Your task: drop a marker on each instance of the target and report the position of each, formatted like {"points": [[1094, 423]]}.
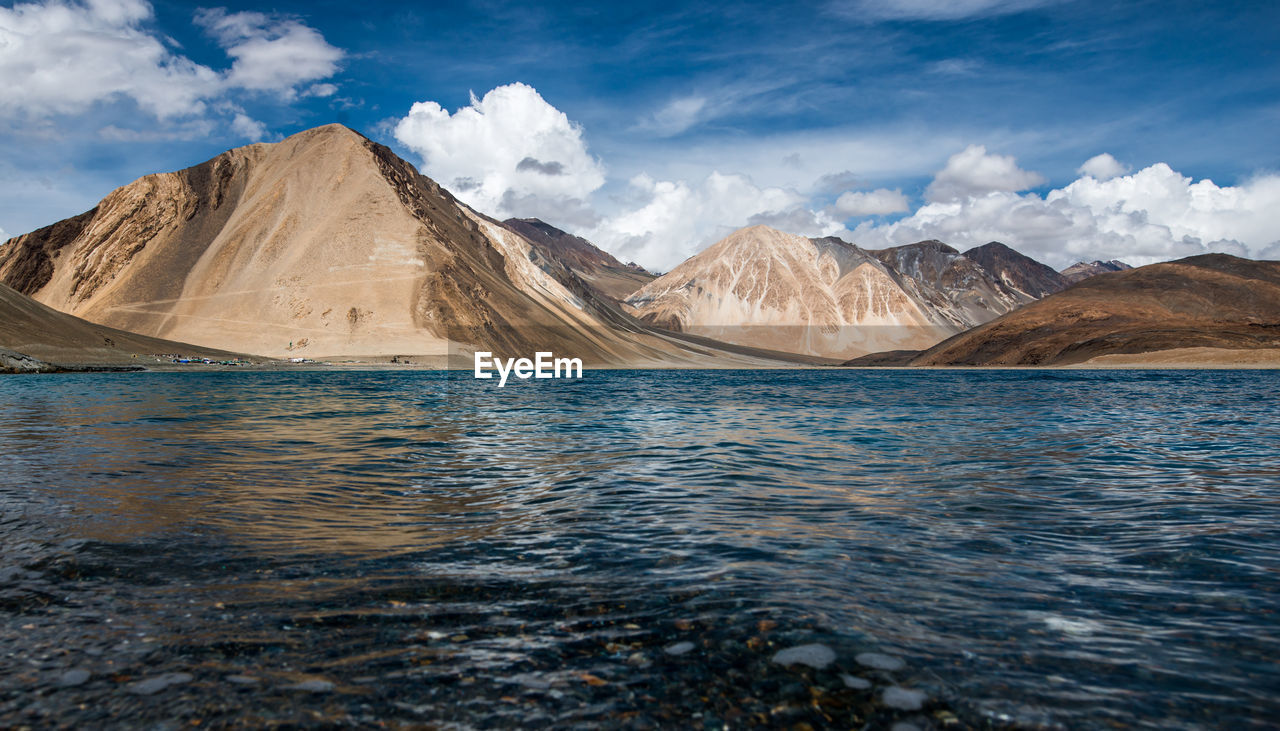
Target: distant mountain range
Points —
{"points": [[827, 297], [327, 244]]}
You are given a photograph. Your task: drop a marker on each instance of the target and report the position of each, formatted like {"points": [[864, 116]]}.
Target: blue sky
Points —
{"points": [[693, 119]]}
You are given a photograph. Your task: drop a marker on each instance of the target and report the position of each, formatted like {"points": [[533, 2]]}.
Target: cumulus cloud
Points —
{"points": [[973, 171], [246, 126], [1153, 215], [321, 90], [271, 53], [513, 154], [510, 145], [879, 202], [1102, 167], [60, 57]]}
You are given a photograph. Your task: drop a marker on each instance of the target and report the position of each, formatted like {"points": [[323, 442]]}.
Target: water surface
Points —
{"points": [[1039, 548]]}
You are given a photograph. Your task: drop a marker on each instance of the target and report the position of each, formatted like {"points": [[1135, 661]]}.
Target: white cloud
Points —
{"points": [[321, 90], [973, 171], [671, 220], [677, 116], [513, 154], [1102, 167], [933, 9], [63, 57], [271, 54], [1152, 215], [877, 202], [246, 126], [510, 145]]}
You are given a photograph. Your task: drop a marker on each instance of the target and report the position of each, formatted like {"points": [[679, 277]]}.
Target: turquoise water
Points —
{"points": [[1038, 548]]}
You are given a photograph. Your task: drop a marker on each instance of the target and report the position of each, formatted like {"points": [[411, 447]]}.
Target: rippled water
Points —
{"points": [[1041, 548]]}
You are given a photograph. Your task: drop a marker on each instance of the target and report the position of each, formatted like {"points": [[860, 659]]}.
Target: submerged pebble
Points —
{"points": [[815, 656], [904, 699], [879, 661], [312, 686], [151, 686], [853, 681], [679, 648], [75, 677]]}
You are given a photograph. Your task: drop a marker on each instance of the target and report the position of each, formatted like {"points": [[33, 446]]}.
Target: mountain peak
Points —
{"points": [[1017, 270], [1080, 270]]}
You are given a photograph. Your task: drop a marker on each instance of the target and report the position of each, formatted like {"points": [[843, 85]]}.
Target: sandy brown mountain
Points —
{"points": [[322, 244], [1214, 301], [1081, 271], [43, 333], [593, 265], [826, 297]]}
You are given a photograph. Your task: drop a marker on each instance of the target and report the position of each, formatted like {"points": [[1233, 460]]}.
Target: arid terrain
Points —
{"points": [[1213, 309]]}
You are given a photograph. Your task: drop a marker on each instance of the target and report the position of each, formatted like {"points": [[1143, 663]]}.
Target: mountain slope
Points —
{"points": [[33, 329], [593, 265], [322, 244], [1209, 301], [1018, 271], [827, 297]]}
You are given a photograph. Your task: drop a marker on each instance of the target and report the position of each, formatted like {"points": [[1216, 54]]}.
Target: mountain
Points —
{"points": [[765, 288], [1081, 271], [1213, 301], [827, 297], [596, 267], [954, 282], [1018, 271], [43, 333], [322, 244]]}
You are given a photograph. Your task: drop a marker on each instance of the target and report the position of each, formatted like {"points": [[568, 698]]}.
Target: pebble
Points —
{"points": [[72, 678], [679, 648], [242, 679], [904, 699], [312, 686], [815, 656], [151, 686], [853, 681], [904, 726], [879, 661]]}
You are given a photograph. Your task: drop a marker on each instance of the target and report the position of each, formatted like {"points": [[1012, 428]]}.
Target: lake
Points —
{"points": [[642, 549]]}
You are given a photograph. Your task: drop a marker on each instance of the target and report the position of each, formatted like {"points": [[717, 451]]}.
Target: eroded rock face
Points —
{"points": [[765, 288], [322, 244]]}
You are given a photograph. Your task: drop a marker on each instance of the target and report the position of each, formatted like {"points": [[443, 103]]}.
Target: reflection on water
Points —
{"points": [[1041, 547]]}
